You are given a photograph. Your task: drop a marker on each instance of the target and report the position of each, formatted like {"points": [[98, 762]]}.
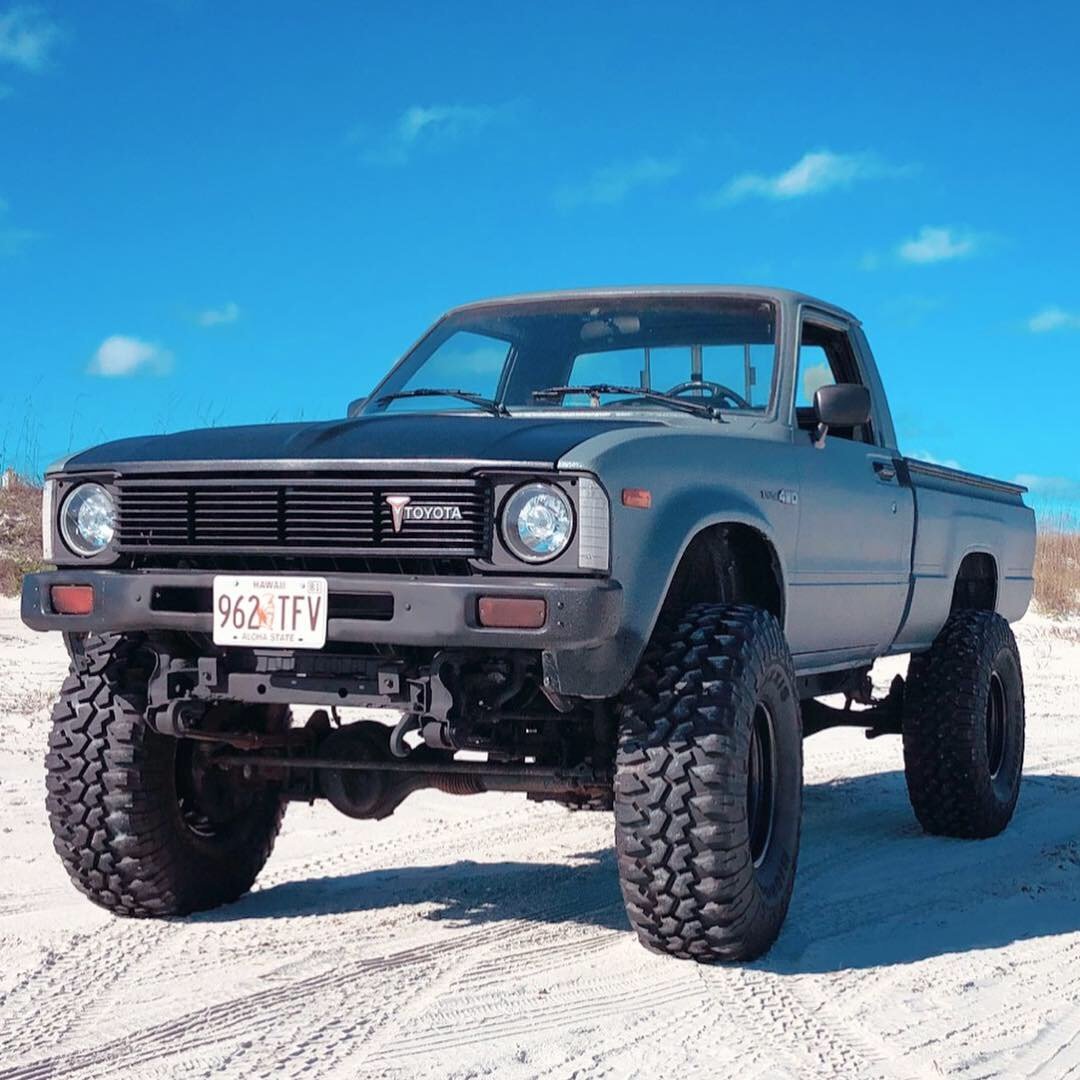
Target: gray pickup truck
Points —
{"points": [[621, 542]]}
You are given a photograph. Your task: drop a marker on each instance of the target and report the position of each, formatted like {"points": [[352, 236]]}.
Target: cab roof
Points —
{"points": [[786, 298]]}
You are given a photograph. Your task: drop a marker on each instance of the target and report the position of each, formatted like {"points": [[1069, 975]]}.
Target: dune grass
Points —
{"points": [[20, 534], [1057, 565]]}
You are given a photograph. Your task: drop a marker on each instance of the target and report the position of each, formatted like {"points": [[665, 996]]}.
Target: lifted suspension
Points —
{"points": [[490, 776], [882, 717], [355, 768]]}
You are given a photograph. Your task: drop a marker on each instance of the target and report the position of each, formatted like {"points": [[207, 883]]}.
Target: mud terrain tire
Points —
{"points": [[964, 728], [709, 722], [115, 795]]}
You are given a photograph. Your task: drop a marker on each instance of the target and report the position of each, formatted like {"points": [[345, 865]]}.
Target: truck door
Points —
{"points": [[853, 553]]}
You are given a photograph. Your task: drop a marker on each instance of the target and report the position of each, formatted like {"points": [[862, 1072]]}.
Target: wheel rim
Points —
{"points": [[761, 784], [995, 725]]}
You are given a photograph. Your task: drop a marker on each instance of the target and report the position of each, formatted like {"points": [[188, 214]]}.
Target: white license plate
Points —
{"points": [[274, 612]]}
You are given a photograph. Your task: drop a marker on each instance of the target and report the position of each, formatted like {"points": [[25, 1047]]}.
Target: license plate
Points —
{"points": [[275, 612]]}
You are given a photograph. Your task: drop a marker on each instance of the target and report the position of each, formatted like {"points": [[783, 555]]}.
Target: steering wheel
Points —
{"points": [[716, 392]]}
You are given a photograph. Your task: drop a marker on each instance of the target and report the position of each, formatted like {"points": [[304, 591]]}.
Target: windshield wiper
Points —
{"points": [[594, 390], [494, 407]]}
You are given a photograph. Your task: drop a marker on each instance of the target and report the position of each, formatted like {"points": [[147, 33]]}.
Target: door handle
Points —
{"points": [[886, 471]]}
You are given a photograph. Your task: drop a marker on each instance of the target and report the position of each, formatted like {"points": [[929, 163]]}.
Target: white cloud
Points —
{"points": [[451, 120], [815, 172], [814, 378], [227, 313], [27, 37], [1060, 487], [424, 126], [946, 463], [611, 184], [938, 243], [1053, 318], [119, 355]]}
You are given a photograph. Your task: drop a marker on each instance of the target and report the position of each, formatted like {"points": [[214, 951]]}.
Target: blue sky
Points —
{"points": [[227, 213]]}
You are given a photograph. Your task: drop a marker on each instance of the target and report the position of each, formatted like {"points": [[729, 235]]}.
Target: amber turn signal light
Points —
{"points": [[512, 612], [72, 599], [638, 498]]}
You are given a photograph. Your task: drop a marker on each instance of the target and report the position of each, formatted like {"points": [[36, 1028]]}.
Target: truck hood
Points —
{"points": [[412, 437]]}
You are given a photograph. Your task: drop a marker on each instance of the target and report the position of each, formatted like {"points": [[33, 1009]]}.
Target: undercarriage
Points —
{"points": [[521, 735], [492, 704]]}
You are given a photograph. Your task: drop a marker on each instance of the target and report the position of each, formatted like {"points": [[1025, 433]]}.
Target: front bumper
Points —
{"points": [[582, 613]]}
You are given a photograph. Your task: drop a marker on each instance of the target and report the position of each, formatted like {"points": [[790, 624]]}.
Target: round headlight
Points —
{"points": [[88, 519], [538, 522]]}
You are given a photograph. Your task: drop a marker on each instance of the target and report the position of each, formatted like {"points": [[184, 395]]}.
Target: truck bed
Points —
{"points": [[958, 514]]}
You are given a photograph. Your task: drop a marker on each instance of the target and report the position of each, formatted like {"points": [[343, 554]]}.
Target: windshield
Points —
{"points": [[718, 351]]}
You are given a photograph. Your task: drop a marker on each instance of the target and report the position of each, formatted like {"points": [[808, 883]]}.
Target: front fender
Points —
{"points": [[695, 483], [651, 544]]}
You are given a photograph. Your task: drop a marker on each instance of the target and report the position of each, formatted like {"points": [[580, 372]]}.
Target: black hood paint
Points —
{"points": [[401, 437]]}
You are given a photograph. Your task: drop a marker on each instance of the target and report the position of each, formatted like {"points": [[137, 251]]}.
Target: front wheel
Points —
{"points": [[708, 785], [143, 825]]}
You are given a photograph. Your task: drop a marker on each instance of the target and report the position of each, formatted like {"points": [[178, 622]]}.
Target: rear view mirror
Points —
{"points": [[355, 407], [844, 405], [609, 326]]}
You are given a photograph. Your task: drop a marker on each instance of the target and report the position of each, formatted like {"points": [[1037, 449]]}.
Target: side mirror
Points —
{"points": [[841, 405], [355, 406]]}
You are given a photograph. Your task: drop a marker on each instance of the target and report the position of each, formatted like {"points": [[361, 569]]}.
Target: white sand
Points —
{"points": [[485, 936]]}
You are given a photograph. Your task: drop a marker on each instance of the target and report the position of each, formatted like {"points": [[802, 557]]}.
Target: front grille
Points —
{"points": [[285, 563], [303, 515]]}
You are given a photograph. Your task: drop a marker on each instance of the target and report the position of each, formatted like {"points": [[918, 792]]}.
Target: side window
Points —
{"points": [[826, 357], [815, 371]]}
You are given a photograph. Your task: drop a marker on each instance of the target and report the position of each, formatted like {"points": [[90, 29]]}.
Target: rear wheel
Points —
{"points": [[143, 824], [708, 786], [964, 727]]}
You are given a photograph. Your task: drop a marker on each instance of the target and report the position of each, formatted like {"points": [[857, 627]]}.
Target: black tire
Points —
{"points": [[964, 728], [132, 830], [703, 877]]}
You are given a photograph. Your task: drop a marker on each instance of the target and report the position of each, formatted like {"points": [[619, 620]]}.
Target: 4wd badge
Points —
{"points": [[402, 509]]}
